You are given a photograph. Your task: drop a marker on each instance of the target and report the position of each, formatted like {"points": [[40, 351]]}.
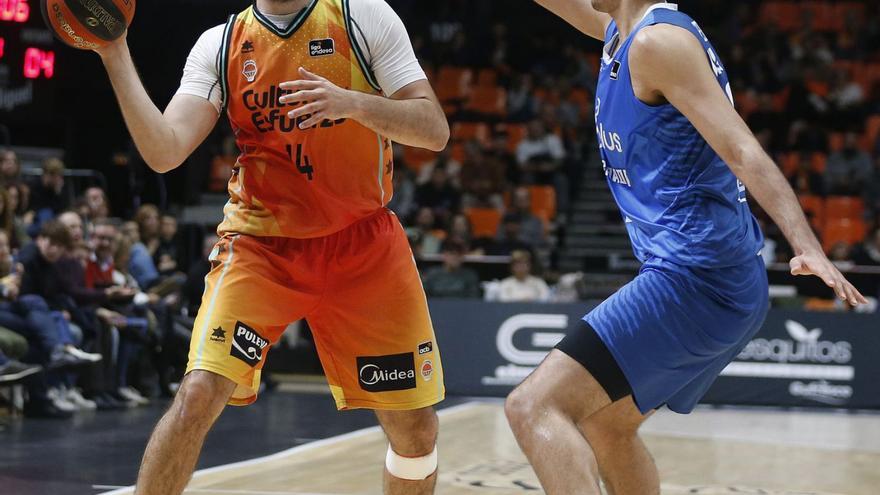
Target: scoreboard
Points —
{"points": [[28, 58]]}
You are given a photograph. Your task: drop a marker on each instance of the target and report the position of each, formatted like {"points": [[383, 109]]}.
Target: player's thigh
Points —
{"points": [[411, 433], [248, 301], [375, 335]]}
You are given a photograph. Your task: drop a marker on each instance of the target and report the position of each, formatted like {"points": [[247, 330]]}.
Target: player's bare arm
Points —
{"points": [[164, 140], [581, 15], [663, 70], [411, 116]]}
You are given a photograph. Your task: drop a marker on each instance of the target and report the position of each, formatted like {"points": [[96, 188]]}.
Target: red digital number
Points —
{"points": [[38, 62], [15, 10], [2, 47]]}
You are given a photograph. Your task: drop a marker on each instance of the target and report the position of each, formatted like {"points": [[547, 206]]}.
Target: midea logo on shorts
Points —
{"points": [[805, 347], [372, 374]]}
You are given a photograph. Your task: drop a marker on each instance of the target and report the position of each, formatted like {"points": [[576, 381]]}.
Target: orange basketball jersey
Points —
{"points": [[292, 182]]}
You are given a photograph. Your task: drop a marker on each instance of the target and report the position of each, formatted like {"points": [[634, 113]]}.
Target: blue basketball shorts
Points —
{"points": [[674, 328]]}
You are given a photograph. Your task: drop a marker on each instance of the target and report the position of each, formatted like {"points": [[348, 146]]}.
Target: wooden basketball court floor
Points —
{"points": [[710, 452]]}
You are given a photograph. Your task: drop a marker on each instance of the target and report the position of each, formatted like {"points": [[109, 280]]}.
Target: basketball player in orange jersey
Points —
{"points": [[315, 90]]}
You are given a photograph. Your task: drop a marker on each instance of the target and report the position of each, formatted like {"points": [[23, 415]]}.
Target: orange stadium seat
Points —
{"points": [[415, 158], [466, 131], [484, 221], [814, 207], [785, 15], [850, 231], [453, 83], [457, 152], [488, 101], [487, 78], [844, 207], [820, 161], [516, 133], [872, 130], [543, 202]]}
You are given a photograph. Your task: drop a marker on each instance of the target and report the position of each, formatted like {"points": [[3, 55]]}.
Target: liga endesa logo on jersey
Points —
{"points": [[387, 373]]}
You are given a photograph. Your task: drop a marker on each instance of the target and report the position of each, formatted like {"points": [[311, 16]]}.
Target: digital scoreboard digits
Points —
{"points": [[28, 56]]}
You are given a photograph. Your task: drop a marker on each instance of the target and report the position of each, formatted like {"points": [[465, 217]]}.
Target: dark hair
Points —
{"points": [[454, 246], [57, 234]]}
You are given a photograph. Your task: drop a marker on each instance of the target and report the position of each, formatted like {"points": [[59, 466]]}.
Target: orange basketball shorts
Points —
{"points": [[360, 291]]}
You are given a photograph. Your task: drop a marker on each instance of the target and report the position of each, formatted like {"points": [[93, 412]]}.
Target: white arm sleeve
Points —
{"points": [[201, 75], [383, 40]]}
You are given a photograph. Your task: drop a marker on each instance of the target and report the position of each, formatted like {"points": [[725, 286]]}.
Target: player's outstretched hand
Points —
{"points": [[819, 265], [322, 100]]}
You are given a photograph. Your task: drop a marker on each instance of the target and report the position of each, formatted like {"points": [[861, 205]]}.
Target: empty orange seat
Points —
{"points": [[543, 202], [850, 231], [415, 158], [484, 221], [788, 162], [844, 207], [466, 131], [488, 101], [487, 78], [516, 133], [814, 208], [453, 83]]}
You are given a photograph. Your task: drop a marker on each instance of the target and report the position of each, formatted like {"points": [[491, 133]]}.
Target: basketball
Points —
{"points": [[88, 24]]}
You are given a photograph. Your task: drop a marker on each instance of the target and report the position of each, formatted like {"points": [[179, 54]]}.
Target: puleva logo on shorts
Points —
{"points": [[386, 373], [247, 344]]}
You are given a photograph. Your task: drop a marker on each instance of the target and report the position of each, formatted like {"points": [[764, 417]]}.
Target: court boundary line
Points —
{"points": [[294, 450]]}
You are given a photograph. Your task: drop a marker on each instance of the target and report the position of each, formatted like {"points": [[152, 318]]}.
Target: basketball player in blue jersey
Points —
{"points": [[672, 147]]}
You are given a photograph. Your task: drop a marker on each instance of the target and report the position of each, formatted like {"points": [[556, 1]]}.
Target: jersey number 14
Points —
{"points": [[301, 161]]}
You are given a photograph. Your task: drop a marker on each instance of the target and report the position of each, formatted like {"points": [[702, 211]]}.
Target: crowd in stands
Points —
{"points": [[805, 76], [93, 309]]}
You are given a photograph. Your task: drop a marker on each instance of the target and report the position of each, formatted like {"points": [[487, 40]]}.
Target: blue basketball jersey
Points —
{"points": [[679, 200]]}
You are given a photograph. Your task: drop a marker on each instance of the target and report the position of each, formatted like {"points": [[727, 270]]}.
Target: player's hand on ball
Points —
{"points": [[322, 100], [819, 265]]}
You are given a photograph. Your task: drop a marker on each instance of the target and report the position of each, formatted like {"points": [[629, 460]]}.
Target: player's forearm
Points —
{"points": [[417, 122], [152, 135], [772, 191], [580, 14]]}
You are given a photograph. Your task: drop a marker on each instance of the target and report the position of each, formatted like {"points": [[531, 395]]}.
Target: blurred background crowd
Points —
{"points": [[100, 284]]}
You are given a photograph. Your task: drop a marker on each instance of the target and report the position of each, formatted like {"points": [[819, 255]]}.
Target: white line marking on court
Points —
{"points": [[280, 455]]}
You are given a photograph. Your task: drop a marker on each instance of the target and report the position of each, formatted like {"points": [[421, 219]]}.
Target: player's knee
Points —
{"points": [[609, 433], [412, 433], [520, 407], [201, 398]]}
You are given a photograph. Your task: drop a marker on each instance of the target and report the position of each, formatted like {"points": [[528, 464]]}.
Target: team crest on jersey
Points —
{"points": [[250, 70], [322, 48], [615, 69]]}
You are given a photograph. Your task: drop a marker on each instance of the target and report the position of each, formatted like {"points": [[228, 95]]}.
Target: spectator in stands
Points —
{"points": [[194, 287], [10, 167], [440, 195], [7, 219], [531, 228], [540, 157], [25, 308], [868, 252], [841, 254], [483, 178], [423, 236], [98, 204], [140, 263], [149, 223], [846, 99], [871, 193], [167, 253], [452, 280], [403, 203], [509, 237], [461, 231], [12, 370], [521, 103], [522, 286], [848, 169], [767, 123], [16, 198], [805, 180], [48, 197], [443, 161]]}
